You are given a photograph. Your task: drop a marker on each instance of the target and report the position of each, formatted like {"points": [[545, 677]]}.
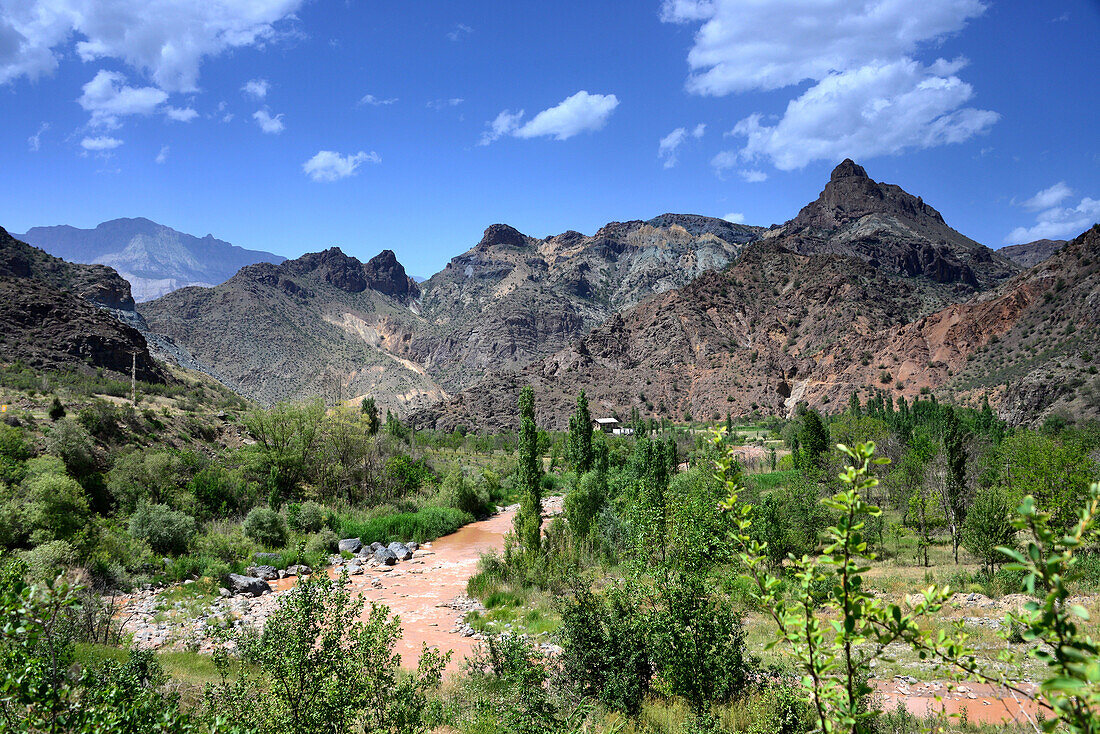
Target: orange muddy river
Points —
{"points": [[420, 589]]}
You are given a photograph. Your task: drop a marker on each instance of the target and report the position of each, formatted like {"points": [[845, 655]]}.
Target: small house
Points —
{"points": [[607, 425]]}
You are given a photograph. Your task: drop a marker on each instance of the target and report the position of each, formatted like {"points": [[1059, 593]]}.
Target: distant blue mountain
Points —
{"points": [[155, 259]]}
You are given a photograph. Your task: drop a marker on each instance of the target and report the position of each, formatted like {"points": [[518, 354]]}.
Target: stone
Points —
{"points": [[224, 592], [354, 569], [376, 545], [400, 550], [412, 545], [350, 545], [385, 556], [267, 573], [250, 585]]}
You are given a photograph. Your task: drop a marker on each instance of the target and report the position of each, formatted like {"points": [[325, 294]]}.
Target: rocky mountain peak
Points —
{"points": [[386, 275], [848, 169], [333, 266], [501, 234]]}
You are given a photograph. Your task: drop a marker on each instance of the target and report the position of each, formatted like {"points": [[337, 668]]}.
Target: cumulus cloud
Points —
{"points": [[1048, 198], [439, 104], [874, 110], [870, 96], [167, 39], [162, 156], [328, 165], [669, 144], [735, 217], [728, 160], [582, 112], [99, 144], [270, 124], [376, 101], [256, 88], [180, 115], [1053, 221], [108, 98], [34, 142]]}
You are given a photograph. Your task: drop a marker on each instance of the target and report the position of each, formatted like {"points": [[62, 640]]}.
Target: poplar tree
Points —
{"points": [[528, 520], [579, 448]]}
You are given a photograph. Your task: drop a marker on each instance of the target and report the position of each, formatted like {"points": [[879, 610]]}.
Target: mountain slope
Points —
{"points": [[54, 314], [1030, 254], [155, 259], [324, 324]]}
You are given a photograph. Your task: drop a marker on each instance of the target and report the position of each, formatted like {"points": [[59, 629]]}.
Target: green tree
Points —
{"points": [[321, 666], [988, 527], [287, 439], [164, 529], [579, 446], [370, 414], [813, 441], [528, 520], [953, 488]]}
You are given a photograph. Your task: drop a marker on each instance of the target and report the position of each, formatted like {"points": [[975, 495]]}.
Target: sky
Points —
{"points": [[294, 125]]}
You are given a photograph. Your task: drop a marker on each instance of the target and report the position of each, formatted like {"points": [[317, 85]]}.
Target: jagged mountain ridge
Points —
{"points": [[58, 315], [323, 324], [155, 259], [838, 299], [328, 323], [513, 298]]}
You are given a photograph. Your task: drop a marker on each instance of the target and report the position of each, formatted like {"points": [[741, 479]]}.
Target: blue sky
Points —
{"points": [[292, 125]]}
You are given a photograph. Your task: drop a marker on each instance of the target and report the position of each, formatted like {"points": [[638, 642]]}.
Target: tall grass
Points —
{"points": [[422, 525]]}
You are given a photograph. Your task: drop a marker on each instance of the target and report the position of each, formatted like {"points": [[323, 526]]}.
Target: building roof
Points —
{"points": [[606, 420]]}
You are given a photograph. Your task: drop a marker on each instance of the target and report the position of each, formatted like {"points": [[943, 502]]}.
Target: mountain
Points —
{"points": [[327, 323], [323, 324], [58, 315], [512, 298], [155, 259], [893, 231], [1031, 254], [866, 289]]}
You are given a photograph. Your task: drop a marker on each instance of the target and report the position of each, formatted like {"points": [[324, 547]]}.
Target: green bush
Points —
{"points": [[322, 542], [218, 492], [265, 526], [56, 508], [164, 529], [462, 494], [226, 546], [46, 561], [308, 517]]}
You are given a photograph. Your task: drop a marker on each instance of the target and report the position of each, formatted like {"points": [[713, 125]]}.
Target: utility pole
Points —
{"points": [[133, 378]]}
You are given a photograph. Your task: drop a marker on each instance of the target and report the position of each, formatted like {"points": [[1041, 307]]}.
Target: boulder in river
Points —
{"points": [[401, 551], [267, 573], [247, 585], [351, 545], [385, 556]]}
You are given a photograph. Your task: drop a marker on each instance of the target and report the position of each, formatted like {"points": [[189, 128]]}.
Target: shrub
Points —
{"points": [[408, 475], [164, 529], [46, 561], [322, 543], [57, 410], [265, 526], [70, 442], [463, 495], [226, 546], [217, 491], [308, 517], [427, 524], [56, 508]]}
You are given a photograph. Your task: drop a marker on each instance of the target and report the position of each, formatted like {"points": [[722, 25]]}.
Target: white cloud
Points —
{"points": [[879, 109], [256, 88], [167, 39], [272, 125], [375, 101], [162, 156], [1048, 198], [438, 104], [34, 142], [328, 165], [1053, 221], [870, 96], [108, 97], [582, 112], [735, 217], [699, 130], [100, 143], [180, 115], [729, 159], [461, 30], [666, 148]]}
